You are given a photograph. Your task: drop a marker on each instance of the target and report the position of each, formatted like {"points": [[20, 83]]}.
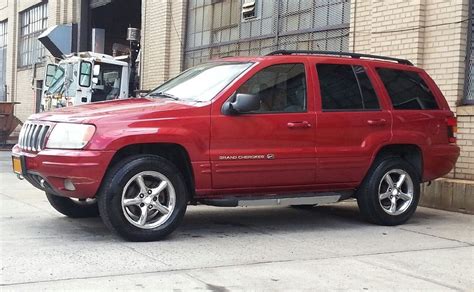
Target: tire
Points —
{"points": [[143, 184], [73, 208], [375, 197]]}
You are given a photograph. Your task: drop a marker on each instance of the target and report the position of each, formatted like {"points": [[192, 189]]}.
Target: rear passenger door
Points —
{"points": [[352, 122]]}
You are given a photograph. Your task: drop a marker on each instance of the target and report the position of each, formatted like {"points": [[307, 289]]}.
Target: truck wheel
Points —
{"points": [[74, 208], [390, 193], [143, 198]]}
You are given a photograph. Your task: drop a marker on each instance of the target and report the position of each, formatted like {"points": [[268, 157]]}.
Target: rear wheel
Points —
{"points": [[143, 198], [390, 193], [74, 208]]}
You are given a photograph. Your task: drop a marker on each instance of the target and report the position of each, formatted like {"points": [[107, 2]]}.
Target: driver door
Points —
{"points": [[273, 146]]}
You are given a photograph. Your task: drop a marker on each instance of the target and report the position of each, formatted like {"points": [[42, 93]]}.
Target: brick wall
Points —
{"points": [[432, 34], [465, 166], [163, 24]]}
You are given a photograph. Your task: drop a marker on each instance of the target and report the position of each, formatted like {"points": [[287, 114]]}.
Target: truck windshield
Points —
{"points": [[200, 83], [58, 79], [66, 83]]}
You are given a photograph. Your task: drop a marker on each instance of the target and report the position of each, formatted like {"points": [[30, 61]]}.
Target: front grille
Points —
{"points": [[33, 136]]}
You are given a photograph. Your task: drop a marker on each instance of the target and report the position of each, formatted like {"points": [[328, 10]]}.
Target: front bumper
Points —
{"points": [[49, 168]]}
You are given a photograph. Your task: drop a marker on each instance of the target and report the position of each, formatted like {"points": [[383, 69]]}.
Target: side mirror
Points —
{"points": [[243, 103], [96, 70]]}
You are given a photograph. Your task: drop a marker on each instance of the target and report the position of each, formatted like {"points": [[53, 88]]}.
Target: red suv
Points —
{"points": [[288, 128]]}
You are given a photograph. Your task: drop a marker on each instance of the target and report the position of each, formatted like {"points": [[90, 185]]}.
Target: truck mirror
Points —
{"points": [[85, 74], [96, 70], [95, 80], [50, 71]]}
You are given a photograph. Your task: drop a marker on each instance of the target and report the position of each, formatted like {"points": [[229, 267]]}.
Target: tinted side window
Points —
{"points": [[346, 87], [407, 90], [280, 88], [367, 90]]}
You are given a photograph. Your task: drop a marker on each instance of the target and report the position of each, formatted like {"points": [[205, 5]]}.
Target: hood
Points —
{"points": [[122, 109]]}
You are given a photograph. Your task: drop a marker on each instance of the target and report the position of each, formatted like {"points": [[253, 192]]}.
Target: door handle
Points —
{"points": [[299, 125], [379, 122]]}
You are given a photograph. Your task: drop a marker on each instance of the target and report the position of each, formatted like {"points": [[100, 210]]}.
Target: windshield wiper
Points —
{"points": [[164, 94]]}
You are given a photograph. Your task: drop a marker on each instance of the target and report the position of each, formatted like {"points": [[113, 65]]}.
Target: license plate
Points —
{"points": [[17, 167]]}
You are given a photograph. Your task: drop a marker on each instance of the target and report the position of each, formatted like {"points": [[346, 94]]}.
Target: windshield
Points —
{"points": [[66, 83], [201, 83], [58, 79]]}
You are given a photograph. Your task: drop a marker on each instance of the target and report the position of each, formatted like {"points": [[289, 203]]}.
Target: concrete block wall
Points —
{"points": [[449, 194], [163, 24]]}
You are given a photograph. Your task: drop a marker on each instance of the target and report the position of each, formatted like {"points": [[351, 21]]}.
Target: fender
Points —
{"points": [[192, 133]]}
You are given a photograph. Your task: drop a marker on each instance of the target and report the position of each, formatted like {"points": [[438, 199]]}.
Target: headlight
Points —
{"points": [[70, 136]]}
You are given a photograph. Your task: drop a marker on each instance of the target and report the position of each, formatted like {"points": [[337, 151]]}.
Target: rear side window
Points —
{"points": [[407, 90], [345, 88]]}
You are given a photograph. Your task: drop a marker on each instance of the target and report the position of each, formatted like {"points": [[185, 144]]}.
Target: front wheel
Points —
{"points": [[390, 193], [143, 198]]}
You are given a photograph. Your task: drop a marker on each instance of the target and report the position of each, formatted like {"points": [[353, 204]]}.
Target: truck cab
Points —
{"points": [[85, 78]]}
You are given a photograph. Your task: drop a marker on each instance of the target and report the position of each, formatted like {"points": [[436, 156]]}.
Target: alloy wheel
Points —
{"points": [[395, 192], [148, 199]]}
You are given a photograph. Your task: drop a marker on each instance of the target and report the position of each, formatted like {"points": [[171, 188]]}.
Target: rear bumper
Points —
{"points": [[439, 160], [85, 169]]}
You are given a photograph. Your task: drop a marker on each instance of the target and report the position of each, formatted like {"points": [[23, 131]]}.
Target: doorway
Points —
{"points": [[114, 16]]}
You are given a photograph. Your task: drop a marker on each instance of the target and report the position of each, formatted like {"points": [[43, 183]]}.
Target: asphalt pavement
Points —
{"points": [[232, 249]]}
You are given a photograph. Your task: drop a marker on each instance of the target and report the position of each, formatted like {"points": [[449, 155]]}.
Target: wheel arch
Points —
{"points": [[175, 153], [411, 153]]}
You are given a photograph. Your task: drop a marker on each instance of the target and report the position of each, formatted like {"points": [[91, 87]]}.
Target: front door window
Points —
{"points": [[280, 88]]}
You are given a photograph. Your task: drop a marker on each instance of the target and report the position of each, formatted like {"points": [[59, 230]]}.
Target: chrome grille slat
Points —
{"points": [[22, 135], [28, 137], [38, 138], [33, 136], [32, 139], [43, 137]]}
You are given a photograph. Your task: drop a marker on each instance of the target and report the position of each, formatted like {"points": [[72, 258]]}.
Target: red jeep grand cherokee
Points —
{"points": [[289, 128]]}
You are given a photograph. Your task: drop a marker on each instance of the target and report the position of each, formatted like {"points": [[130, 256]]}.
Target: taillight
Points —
{"points": [[452, 124]]}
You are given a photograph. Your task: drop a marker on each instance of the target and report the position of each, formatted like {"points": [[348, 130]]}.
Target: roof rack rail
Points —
{"points": [[352, 55]]}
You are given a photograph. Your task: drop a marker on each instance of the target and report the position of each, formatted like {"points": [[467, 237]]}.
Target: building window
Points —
{"points": [[218, 28], [469, 86], [249, 9], [3, 59], [33, 22]]}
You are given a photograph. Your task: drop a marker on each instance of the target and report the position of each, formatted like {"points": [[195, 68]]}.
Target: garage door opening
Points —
{"points": [[115, 17]]}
